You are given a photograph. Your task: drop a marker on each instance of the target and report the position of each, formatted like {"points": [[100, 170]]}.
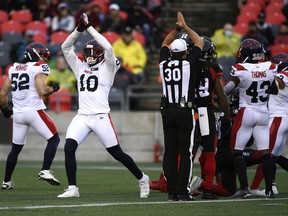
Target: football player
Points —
{"points": [[27, 82], [95, 72], [278, 122], [256, 81]]}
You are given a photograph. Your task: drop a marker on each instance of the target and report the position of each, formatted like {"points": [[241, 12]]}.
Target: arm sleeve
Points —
{"points": [[68, 52], [109, 53]]}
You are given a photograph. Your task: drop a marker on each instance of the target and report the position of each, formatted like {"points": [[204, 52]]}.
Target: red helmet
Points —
{"points": [[93, 53], [36, 52]]}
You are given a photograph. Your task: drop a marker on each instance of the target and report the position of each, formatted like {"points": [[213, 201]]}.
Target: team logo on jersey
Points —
{"points": [[232, 72], [94, 69]]}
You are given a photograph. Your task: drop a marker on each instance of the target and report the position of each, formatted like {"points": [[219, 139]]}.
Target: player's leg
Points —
{"points": [[104, 130], [19, 139], [41, 122], [261, 136], [77, 132], [240, 135]]}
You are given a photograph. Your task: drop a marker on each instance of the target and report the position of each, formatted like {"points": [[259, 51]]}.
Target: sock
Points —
{"points": [[241, 170], [267, 168], [50, 151], [209, 168], [126, 160], [70, 160], [257, 178], [282, 162], [12, 161]]}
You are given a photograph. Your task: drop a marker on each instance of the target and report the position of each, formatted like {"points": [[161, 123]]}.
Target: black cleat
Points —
{"points": [[270, 195], [243, 194], [172, 197], [208, 195], [186, 197]]}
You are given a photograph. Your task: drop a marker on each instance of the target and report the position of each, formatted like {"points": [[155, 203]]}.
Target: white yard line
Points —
{"points": [[144, 203]]}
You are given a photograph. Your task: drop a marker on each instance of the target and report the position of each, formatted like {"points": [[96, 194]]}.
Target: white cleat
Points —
{"points": [[46, 175], [274, 189], [195, 183], [71, 191], [7, 185], [144, 186], [258, 193]]}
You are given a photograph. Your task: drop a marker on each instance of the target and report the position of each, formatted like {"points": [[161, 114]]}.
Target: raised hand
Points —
{"points": [[83, 23]]}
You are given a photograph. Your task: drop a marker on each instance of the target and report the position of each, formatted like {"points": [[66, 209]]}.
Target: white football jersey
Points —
{"points": [[24, 93], [278, 104], [255, 82], [94, 83]]}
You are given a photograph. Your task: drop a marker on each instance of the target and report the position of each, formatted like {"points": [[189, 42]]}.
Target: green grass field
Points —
{"points": [[109, 189]]}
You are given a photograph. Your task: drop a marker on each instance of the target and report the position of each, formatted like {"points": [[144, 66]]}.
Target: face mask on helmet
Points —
{"points": [[250, 51], [208, 52], [93, 53], [281, 59], [36, 52]]}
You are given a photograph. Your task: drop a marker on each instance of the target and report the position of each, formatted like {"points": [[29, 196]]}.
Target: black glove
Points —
{"points": [[83, 23], [54, 85], [7, 112]]}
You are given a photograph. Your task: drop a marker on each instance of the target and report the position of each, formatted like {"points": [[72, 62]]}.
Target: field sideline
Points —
{"points": [[109, 189]]}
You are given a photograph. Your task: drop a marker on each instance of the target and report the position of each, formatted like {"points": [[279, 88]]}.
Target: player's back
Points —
{"points": [[255, 81], [24, 93]]}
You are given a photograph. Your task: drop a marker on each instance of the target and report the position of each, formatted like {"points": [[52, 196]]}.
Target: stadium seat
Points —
{"points": [[60, 100], [275, 18], [278, 48], [40, 37], [5, 50], [241, 28], [123, 15], [37, 26], [58, 37], [274, 7], [22, 16], [139, 37], [111, 36], [251, 7], [12, 37], [11, 26], [4, 16], [246, 17]]}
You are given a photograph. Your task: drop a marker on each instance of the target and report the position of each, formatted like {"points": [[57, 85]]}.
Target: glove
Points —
{"points": [[7, 112], [54, 85], [83, 23]]}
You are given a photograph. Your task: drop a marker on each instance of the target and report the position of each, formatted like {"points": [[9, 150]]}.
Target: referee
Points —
{"points": [[176, 70]]}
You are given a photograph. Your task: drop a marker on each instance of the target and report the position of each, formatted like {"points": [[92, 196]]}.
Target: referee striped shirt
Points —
{"points": [[178, 76]]}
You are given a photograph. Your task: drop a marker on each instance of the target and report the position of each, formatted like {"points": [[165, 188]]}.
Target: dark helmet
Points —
{"points": [[93, 53], [35, 52], [250, 51], [279, 58], [234, 102], [208, 52], [187, 39]]}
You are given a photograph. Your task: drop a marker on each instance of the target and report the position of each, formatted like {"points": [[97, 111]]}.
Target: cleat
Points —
{"points": [[46, 175], [173, 197], [245, 193], [270, 195], [195, 183], [257, 193], [7, 185], [71, 191], [274, 189], [144, 186], [186, 197], [209, 195]]}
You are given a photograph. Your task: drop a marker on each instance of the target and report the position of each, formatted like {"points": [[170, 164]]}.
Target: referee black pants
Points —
{"points": [[178, 125]]}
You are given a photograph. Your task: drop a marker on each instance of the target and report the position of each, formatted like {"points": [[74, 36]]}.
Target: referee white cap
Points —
{"points": [[178, 45]]}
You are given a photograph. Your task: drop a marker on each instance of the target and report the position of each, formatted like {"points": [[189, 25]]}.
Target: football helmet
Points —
{"points": [[187, 39], [279, 58], [93, 53], [35, 52], [250, 51], [208, 52]]}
